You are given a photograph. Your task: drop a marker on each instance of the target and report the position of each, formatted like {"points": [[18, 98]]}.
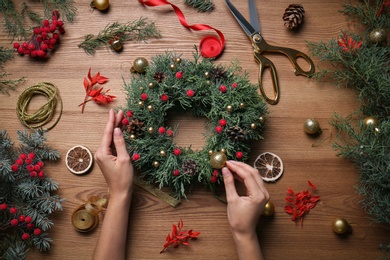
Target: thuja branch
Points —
{"points": [[138, 30], [201, 5], [7, 84]]}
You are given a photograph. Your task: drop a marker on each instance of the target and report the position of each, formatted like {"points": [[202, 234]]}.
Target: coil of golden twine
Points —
{"points": [[44, 114], [86, 216]]}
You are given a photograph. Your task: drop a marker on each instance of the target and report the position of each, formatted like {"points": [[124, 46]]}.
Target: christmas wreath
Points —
{"points": [[232, 105]]}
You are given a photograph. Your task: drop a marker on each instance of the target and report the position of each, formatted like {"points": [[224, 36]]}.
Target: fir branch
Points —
{"points": [[65, 7], [9, 84], [201, 5], [138, 30]]}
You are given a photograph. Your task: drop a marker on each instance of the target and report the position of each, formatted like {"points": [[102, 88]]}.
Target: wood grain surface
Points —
{"points": [[151, 219]]}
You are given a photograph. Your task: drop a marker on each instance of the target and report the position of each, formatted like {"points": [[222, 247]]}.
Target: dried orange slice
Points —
{"points": [[79, 159], [270, 166]]}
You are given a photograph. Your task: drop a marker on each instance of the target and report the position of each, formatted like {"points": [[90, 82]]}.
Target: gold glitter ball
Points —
{"points": [[218, 160]]}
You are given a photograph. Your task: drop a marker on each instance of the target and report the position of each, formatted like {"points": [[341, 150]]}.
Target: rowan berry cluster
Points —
{"points": [[44, 38], [24, 223], [26, 161]]}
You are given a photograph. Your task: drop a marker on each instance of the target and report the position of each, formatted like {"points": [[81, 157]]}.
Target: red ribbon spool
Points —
{"points": [[210, 46]]}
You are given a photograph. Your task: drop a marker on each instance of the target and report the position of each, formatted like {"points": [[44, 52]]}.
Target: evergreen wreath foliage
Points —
{"points": [[361, 63], [27, 194], [231, 104]]}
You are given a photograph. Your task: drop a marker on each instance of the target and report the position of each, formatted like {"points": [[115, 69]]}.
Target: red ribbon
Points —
{"points": [[210, 46]]}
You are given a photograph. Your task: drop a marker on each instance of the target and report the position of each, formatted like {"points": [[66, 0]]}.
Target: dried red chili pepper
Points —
{"points": [[298, 204], [348, 44], [177, 236], [97, 95]]}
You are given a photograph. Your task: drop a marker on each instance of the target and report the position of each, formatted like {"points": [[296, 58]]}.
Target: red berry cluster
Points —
{"points": [[44, 38], [25, 223], [214, 176], [26, 161]]}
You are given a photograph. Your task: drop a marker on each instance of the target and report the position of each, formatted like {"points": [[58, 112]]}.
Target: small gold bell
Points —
{"points": [[117, 45]]}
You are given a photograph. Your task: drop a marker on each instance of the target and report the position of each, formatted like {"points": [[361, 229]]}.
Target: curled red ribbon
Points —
{"points": [[210, 46]]}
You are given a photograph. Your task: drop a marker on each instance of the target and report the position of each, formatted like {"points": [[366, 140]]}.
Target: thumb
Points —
{"points": [[119, 143], [228, 179]]}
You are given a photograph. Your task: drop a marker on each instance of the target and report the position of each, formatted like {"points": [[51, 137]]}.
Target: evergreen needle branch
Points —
{"points": [[201, 5], [138, 30]]}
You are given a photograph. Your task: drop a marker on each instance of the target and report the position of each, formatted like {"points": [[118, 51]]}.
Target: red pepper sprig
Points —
{"points": [[348, 44], [98, 95], [298, 204], [177, 236]]}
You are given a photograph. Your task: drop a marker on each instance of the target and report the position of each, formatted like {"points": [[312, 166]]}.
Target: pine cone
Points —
{"points": [[235, 133], [159, 76], [190, 167], [293, 15], [218, 72], [135, 127]]}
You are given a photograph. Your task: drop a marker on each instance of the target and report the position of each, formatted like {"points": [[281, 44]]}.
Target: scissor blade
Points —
{"points": [[254, 18], [246, 26]]}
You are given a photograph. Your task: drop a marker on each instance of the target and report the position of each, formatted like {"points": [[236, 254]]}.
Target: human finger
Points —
{"points": [[118, 118], [254, 172], [120, 145], [107, 133], [230, 188], [247, 176]]}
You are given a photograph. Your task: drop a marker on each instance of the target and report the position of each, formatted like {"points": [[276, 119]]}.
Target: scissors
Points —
{"points": [[259, 45]]}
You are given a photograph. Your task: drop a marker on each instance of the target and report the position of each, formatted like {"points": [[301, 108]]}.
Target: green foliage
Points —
{"points": [[204, 78], [366, 69], [7, 84], [32, 196], [138, 30], [15, 20], [201, 5]]}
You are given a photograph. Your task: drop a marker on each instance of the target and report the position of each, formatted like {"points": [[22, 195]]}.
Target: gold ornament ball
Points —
{"points": [[101, 5], [371, 121], [151, 85], [162, 153], [178, 60], [261, 120], [132, 137], [269, 209], [311, 126], [172, 66], [223, 150], [207, 74], [253, 126], [242, 105], [377, 130], [141, 88], [117, 45], [150, 130], [141, 103], [218, 160], [378, 36], [340, 226], [208, 82], [211, 152], [150, 108], [156, 164], [140, 64], [229, 108]]}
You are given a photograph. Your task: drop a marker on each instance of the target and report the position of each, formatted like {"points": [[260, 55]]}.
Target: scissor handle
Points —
{"points": [[265, 63]]}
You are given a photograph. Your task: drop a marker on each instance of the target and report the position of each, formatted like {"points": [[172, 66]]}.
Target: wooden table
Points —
{"points": [[151, 219]]}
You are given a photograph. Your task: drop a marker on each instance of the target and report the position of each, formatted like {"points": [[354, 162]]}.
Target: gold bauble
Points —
{"points": [[162, 153], [340, 226], [229, 108], [371, 121], [242, 105], [223, 150], [150, 108], [378, 36], [178, 60], [311, 126], [150, 130], [211, 152], [269, 209], [141, 103], [140, 64], [261, 119], [208, 83], [253, 126], [172, 66], [132, 137], [117, 45], [218, 160], [377, 130], [156, 164], [151, 85], [207, 74], [141, 88], [101, 5]]}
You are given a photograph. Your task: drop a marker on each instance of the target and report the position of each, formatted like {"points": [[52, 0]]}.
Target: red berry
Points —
{"points": [[44, 46], [39, 39], [176, 173], [37, 30], [177, 151], [37, 231], [129, 113], [30, 225], [28, 219], [144, 96], [50, 46], [33, 174], [55, 14], [161, 130], [14, 167], [164, 97], [30, 168], [21, 218], [3, 206], [61, 30], [14, 222], [23, 156], [179, 75], [60, 24], [41, 174], [190, 93], [40, 163], [25, 236], [31, 156], [239, 155], [213, 179], [31, 46], [25, 45], [56, 36], [218, 129], [28, 161], [125, 121], [222, 88], [20, 50], [19, 161], [234, 85], [215, 173], [46, 23], [41, 53], [52, 28], [16, 45], [13, 210], [27, 52], [135, 157], [222, 122], [52, 41], [170, 132], [37, 167]]}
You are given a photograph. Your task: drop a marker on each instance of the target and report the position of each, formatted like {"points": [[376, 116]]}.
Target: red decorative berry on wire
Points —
{"points": [[164, 97], [3, 206], [161, 130], [223, 88], [28, 219], [13, 210], [37, 231], [129, 113], [234, 85], [125, 121], [14, 222], [14, 167], [179, 75], [239, 155], [219, 129], [190, 93], [21, 218], [222, 122], [25, 236], [177, 152], [170, 133], [144, 96], [135, 157], [176, 173]]}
